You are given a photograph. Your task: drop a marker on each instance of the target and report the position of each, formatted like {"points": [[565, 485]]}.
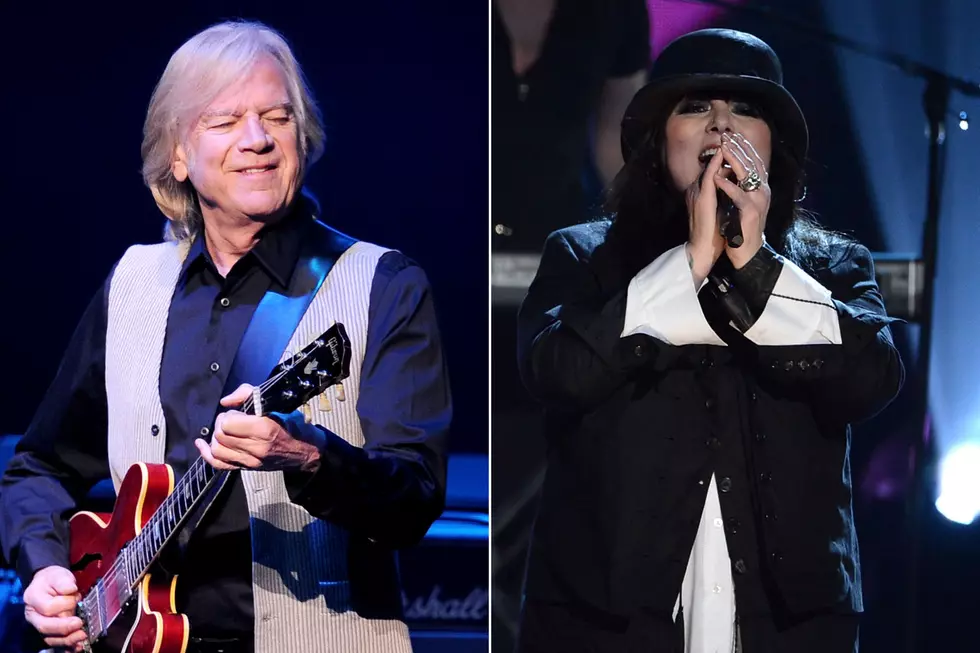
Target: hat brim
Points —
{"points": [[656, 100]]}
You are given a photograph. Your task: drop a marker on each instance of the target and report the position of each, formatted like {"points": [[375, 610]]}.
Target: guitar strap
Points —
{"points": [[270, 330]]}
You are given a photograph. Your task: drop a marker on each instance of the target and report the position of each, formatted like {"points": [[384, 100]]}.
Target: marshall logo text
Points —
{"points": [[472, 608]]}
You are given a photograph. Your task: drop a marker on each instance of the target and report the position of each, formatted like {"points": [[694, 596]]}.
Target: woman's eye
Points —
{"points": [[745, 109], [693, 106]]}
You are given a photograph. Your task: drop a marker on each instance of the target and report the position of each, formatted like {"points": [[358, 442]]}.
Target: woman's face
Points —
{"points": [[693, 133]]}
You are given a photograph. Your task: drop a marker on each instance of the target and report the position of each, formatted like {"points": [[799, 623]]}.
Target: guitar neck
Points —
{"points": [[172, 513]]}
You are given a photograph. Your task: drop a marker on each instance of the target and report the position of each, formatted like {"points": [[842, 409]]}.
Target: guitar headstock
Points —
{"points": [[322, 363]]}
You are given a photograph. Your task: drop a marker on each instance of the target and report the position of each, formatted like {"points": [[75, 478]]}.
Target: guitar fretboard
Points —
{"points": [[145, 547]]}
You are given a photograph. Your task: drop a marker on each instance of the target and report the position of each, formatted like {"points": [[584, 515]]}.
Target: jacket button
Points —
{"points": [[713, 443], [760, 437], [818, 363], [638, 351], [709, 403], [765, 477], [788, 365], [725, 484], [770, 517], [155, 430], [733, 525], [776, 556], [754, 396], [804, 364], [740, 567]]}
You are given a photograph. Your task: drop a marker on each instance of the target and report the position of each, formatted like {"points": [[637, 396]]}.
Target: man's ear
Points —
{"points": [[180, 164]]}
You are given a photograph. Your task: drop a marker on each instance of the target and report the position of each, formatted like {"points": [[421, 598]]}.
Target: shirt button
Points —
{"points": [[740, 566], [155, 430], [718, 522], [225, 302], [205, 431], [638, 351], [716, 589], [215, 367]]}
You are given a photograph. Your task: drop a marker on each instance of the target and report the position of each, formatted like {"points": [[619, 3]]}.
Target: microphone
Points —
{"points": [[729, 221]]}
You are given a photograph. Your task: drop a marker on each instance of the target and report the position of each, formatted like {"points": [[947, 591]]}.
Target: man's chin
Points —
{"points": [[265, 212]]}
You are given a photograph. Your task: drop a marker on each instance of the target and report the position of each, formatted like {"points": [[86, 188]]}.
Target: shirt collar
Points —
{"points": [[277, 250]]}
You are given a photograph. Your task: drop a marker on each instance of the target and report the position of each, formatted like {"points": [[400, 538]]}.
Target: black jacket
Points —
{"points": [[636, 428]]}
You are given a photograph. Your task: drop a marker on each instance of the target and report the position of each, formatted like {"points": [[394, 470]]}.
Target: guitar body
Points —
{"points": [[151, 623], [148, 512]]}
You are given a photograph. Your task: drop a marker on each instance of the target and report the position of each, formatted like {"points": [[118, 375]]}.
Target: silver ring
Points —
{"points": [[752, 182]]}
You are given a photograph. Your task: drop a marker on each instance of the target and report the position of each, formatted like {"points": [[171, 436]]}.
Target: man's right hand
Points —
{"points": [[49, 606]]}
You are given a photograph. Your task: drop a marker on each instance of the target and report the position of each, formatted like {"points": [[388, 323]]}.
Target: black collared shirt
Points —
{"points": [[208, 317], [404, 406]]}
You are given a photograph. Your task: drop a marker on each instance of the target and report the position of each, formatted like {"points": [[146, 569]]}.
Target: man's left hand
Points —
{"points": [[242, 441]]}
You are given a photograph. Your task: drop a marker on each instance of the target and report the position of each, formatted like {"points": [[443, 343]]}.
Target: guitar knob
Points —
{"points": [[306, 385], [288, 394]]}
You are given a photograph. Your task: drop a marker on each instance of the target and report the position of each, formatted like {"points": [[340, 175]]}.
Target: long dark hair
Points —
{"points": [[649, 215]]}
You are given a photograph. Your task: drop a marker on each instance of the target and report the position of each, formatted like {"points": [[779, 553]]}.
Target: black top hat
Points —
{"points": [[710, 60]]}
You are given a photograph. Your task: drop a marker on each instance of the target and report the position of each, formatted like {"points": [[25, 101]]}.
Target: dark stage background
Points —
{"points": [[404, 94], [867, 176]]}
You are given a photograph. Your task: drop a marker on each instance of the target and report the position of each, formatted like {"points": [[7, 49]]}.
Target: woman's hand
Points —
{"points": [[753, 206], [705, 244]]}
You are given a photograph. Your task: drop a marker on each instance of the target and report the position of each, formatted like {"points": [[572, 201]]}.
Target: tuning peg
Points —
{"points": [[340, 392], [325, 402]]}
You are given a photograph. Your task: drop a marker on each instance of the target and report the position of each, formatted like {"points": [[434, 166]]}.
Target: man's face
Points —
{"points": [[241, 155]]}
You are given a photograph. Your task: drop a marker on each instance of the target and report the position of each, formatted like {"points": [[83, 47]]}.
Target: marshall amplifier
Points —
{"points": [[445, 579]]}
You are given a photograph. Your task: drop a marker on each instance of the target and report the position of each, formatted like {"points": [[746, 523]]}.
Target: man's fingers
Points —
{"points": [[237, 457], [205, 449], [238, 397], [53, 626], [72, 641], [62, 581], [56, 606]]}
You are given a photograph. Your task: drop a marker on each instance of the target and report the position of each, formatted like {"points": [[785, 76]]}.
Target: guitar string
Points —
{"points": [[115, 569]]}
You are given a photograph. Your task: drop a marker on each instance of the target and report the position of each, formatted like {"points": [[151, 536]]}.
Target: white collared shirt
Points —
{"points": [[662, 302]]}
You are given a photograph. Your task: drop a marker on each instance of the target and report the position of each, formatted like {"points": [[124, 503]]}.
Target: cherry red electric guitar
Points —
{"points": [[114, 557]]}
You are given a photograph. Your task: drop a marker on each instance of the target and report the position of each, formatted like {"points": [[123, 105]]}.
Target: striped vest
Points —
{"points": [[306, 572]]}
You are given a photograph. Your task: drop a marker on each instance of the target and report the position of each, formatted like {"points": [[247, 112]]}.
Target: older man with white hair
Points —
{"points": [[295, 552]]}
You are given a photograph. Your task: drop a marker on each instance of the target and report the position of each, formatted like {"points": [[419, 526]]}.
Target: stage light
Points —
{"points": [[959, 484]]}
